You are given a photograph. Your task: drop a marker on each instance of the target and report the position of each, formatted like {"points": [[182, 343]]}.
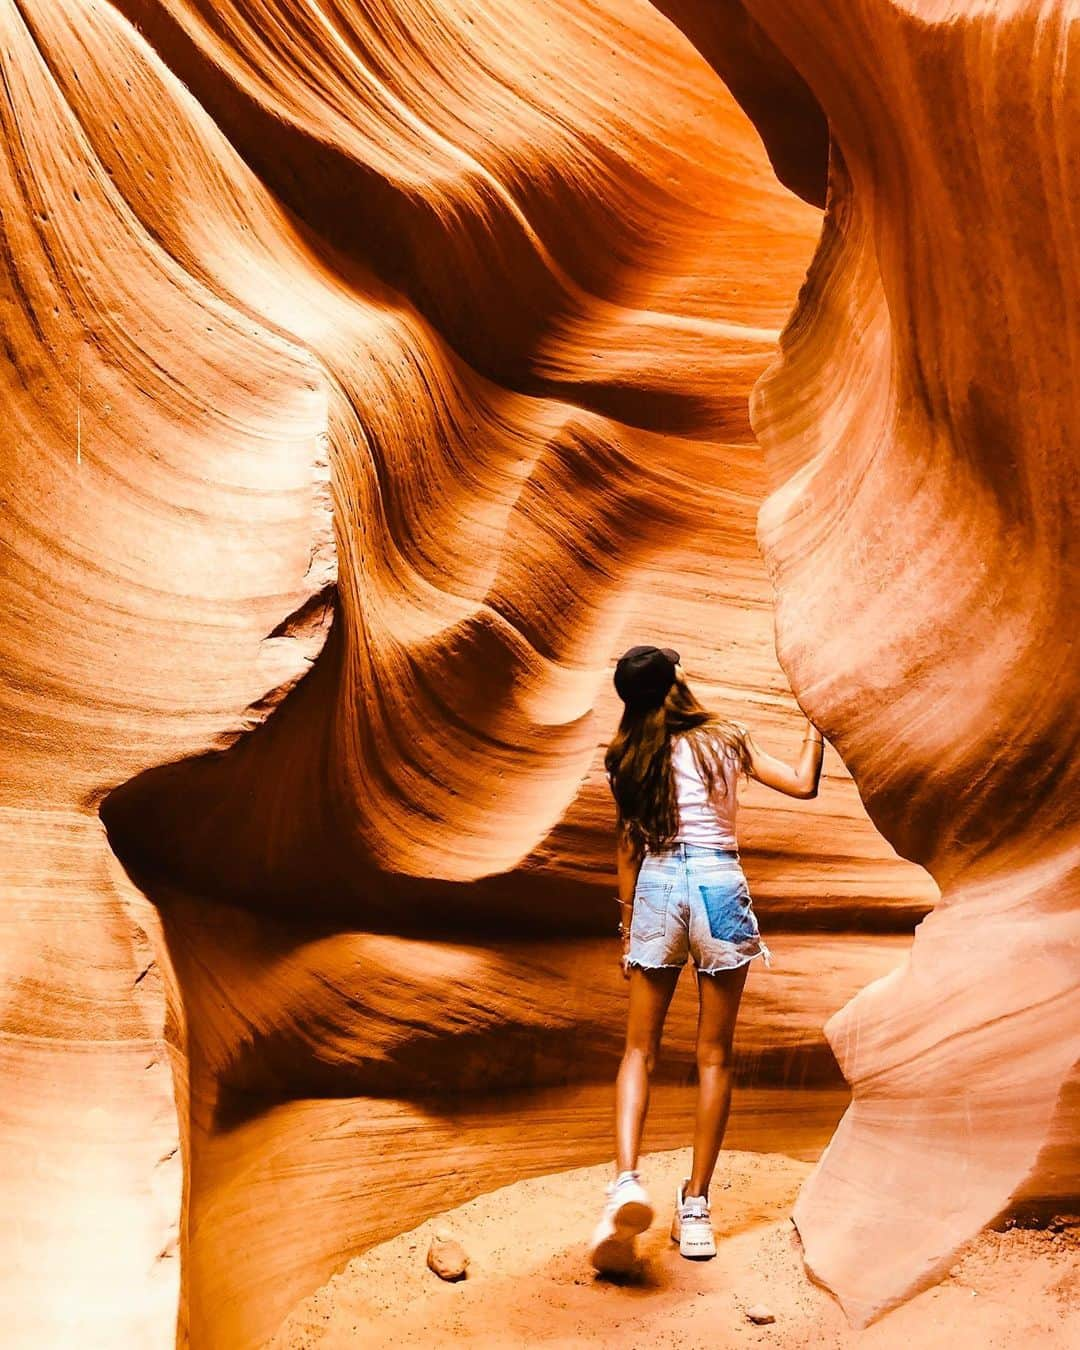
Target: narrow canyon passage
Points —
{"points": [[346, 1082], [369, 917], [374, 374]]}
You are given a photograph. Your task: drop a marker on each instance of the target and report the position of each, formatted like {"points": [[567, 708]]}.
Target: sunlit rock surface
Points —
{"points": [[921, 434], [488, 288]]}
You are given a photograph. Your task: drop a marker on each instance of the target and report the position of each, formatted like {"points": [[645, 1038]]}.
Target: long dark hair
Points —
{"points": [[638, 762]]}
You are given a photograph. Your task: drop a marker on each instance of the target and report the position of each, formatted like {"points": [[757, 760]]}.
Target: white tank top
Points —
{"points": [[710, 823]]}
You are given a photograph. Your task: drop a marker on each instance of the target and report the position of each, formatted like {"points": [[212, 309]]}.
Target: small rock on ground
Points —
{"points": [[446, 1257]]}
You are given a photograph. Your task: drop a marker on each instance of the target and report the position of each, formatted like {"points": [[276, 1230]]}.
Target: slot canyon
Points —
{"points": [[376, 371]]}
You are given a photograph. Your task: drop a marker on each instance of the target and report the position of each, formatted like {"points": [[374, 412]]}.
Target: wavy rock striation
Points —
{"points": [[921, 430], [165, 507], [496, 295]]}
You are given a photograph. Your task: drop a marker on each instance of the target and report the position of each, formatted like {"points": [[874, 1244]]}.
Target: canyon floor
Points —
{"points": [[530, 1283]]}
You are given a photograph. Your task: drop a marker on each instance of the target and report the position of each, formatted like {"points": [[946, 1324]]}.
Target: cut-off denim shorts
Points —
{"points": [[693, 901]]}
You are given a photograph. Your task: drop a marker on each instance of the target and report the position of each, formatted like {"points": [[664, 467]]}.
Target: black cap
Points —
{"points": [[643, 675]]}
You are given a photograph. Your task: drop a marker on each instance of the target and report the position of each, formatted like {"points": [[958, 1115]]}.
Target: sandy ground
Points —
{"points": [[530, 1283]]}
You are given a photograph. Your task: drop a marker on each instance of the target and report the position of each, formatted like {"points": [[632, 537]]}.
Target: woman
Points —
{"points": [[674, 769]]}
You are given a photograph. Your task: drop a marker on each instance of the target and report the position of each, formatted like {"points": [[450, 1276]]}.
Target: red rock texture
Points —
{"points": [[921, 433], [374, 374]]}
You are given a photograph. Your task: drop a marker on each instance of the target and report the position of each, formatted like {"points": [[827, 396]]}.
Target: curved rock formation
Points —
{"points": [[921, 430], [508, 288], [164, 501]]}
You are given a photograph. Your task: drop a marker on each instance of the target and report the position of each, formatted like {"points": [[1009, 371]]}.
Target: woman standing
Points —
{"points": [[674, 769]]}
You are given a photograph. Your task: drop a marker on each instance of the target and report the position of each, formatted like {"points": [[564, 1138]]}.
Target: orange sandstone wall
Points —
{"points": [[165, 507], [491, 286], [920, 430]]}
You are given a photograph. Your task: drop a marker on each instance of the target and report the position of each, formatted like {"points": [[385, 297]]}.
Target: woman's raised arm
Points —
{"points": [[798, 781]]}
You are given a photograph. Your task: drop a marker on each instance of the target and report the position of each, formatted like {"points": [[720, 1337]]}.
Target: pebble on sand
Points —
{"points": [[760, 1315], [446, 1257]]}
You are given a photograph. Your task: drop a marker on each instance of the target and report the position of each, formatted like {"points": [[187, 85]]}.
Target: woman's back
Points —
{"points": [[674, 771], [704, 820]]}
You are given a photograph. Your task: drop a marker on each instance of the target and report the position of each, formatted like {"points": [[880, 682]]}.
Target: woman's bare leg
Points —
{"points": [[650, 994], [718, 1008]]}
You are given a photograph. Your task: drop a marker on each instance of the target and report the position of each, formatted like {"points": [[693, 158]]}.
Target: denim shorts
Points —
{"points": [[693, 901]]}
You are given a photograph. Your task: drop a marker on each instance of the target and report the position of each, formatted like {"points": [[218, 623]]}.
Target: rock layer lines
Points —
{"points": [[921, 431], [374, 373]]}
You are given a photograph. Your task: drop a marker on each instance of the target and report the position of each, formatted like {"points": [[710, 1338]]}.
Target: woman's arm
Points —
{"points": [[627, 866], [800, 781]]}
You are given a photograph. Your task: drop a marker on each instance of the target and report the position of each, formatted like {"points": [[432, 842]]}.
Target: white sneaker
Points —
{"points": [[628, 1212], [691, 1226]]}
